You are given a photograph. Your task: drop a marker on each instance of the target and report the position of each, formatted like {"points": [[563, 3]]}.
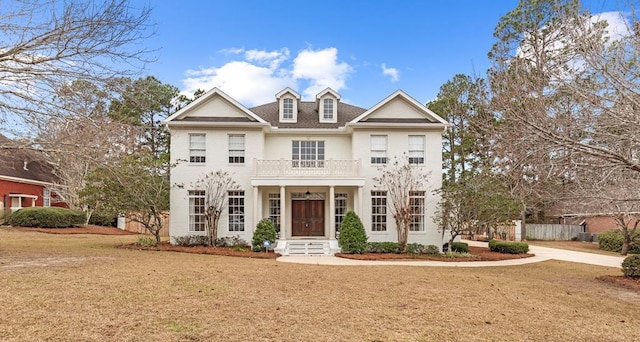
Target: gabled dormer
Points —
{"points": [[288, 104], [327, 104]]}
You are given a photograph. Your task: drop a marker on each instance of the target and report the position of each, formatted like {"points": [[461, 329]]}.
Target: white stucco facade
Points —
{"points": [[304, 169]]}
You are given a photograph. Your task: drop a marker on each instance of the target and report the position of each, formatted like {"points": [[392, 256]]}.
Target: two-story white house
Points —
{"points": [[303, 165]]}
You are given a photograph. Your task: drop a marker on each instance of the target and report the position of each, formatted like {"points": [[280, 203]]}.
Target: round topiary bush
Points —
{"points": [[460, 247], [265, 230], [50, 217], [631, 266], [353, 239]]}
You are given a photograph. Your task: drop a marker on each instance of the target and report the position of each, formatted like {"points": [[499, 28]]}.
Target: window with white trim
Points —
{"points": [[287, 109], [197, 148], [327, 111], [341, 209], [236, 211], [196, 211], [274, 210], [378, 149], [416, 200], [379, 211], [46, 197], [307, 153], [416, 149], [236, 148]]}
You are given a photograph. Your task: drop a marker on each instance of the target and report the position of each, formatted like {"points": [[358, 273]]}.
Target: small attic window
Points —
{"points": [[287, 109], [327, 111]]}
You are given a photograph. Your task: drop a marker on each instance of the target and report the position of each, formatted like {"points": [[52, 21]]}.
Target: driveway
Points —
{"points": [[541, 254]]}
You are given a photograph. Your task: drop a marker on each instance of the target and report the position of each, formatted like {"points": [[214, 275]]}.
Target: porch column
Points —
{"points": [[332, 213], [283, 209], [360, 193], [256, 207]]}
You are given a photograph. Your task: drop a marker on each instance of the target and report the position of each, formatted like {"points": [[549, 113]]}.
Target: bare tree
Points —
{"points": [[47, 44], [216, 186], [403, 183]]}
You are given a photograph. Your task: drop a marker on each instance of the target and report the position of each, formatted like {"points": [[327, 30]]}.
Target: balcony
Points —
{"points": [[306, 168]]}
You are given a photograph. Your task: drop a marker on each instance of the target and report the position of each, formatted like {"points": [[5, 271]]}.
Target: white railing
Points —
{"points": [[306, 168]]}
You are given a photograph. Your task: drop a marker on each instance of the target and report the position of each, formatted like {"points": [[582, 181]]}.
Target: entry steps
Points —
{"points": [[307, 248]]}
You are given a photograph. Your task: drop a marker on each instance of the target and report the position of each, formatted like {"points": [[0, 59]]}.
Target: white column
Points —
{"points": [[360, 200], [283, 209], [332, 213], [256, 207]]}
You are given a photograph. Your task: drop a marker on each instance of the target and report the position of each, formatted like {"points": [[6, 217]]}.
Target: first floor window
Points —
{"points": [[416, 149], [197, 149], [378, 149], [379, 211], [341, 209], [46, 197], [236, 211], [274, 210], [196, 211], [236, 148], [307, 153], [416, 200]]}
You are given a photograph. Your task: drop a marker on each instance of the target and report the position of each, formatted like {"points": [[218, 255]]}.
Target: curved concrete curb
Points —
{"points": [[541, 254]]}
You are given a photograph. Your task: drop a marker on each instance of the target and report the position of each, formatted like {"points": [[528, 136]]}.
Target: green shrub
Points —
{"points": [[631, 266], [352, 238], [383, 247], [50, 217], [232, 241], [612, 240], [265, 230], [460, 247], [146, 241], [431, 249], [508, 247], [105, 220], [191, 240], [416, 248]]}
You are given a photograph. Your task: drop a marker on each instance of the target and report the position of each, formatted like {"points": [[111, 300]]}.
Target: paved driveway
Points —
{"points": [[541, 254]]}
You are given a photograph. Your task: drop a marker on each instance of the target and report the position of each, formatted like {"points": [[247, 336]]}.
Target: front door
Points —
{"points": [[308, 218]]}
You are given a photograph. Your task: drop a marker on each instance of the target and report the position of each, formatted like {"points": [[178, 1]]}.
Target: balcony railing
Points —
{"points": [[306, 168]]}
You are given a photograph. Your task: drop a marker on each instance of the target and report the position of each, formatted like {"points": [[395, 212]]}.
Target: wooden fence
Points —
{"points": [[136, 227], [553, 231]]}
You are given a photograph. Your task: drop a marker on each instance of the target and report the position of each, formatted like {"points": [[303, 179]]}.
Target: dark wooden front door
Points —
{"points": [[308, 218]]}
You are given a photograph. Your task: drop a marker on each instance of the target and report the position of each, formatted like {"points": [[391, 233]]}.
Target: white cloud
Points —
{"points": [[232, 51], [261, 74], [617, 27], [393, 73], [322, 69]]}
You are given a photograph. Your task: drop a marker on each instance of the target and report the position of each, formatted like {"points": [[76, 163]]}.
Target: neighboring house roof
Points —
{"points": [[307, 115], [23, 164]]}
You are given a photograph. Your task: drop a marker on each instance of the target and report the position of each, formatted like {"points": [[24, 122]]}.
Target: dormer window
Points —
{"points": [[327, 111], [287, 109]]}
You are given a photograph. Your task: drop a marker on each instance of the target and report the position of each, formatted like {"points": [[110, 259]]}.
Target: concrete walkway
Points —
{"points": [[541, 254]]}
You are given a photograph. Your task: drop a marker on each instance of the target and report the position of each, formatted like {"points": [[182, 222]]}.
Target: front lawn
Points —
{"points": [[79, 287]]}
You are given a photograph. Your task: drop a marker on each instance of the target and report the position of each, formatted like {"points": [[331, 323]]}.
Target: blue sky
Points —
{"points": [[363, 49]]}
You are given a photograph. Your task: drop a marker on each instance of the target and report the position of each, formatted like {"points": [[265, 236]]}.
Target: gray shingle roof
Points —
{"points": [[307, 115], [12, 163]]}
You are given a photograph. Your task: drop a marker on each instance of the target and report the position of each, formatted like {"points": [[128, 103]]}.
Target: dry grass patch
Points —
{"points": [[105, 293]]}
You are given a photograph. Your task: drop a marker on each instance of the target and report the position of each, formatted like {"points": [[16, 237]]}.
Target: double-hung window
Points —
{"points": [[341, 209], [196, 210], [307, 153], [287, 109], [416, 149], [274, 210], [379, 211], [236, 211], [327, 111], [378, 149], [46, 197], [236, 148], [197, 148], [416, 201]]}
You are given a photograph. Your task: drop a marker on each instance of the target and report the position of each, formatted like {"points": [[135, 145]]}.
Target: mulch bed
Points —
{"points": [[622, 281], [80, 230], [226, 251], [480, 254]]}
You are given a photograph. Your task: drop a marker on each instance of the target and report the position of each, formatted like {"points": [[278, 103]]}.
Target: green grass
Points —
{"points": [[79, 287]]}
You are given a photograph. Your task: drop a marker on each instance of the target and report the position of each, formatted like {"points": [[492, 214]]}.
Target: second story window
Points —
{"points": [[327, 112], [197, 148], [287, 109], [307, 153], [236, 148], [378, 149], [416, 149]]}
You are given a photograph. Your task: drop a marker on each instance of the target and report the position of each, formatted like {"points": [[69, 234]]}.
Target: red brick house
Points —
{"points": [[25, 179]]}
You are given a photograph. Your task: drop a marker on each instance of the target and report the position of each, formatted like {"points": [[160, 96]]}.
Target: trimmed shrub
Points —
{"points": [[382, 247], [51, 217], [105, 220], [508, 247], [612, 240], [146, 241], [232, 241], [416, 248], [460, 247], [265, 230], [631, 266], [352, 238], [191, 240]]}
